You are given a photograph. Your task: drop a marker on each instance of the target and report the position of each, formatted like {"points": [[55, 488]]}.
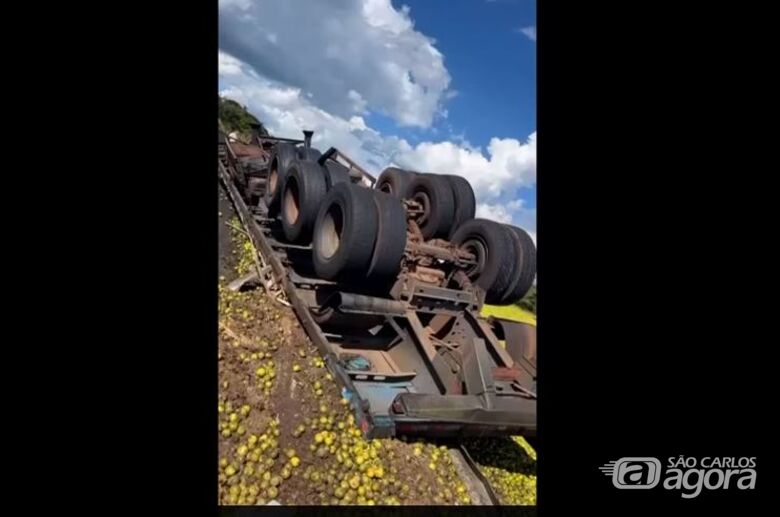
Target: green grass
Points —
{"points": [[509, 312]]}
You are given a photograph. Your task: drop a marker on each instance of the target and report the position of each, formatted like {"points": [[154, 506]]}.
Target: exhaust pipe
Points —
{"points": [[362, 304], [307, 138]]}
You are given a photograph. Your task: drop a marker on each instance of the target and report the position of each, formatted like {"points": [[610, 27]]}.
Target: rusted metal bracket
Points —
{"points": [[477, 374], [360, 173], [250, 279]]}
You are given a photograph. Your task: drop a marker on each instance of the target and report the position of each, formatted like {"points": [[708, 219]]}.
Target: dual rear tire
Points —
{"points": [[303, 191], [282, 157], [505, 256], [304, 185], [359, 233], [447, 201]]}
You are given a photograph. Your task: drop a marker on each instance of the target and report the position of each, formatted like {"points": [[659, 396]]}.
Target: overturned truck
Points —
{"points": [[388, 276]]}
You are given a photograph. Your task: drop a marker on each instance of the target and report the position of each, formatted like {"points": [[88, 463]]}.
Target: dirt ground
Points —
{"points": [[285, 433]]}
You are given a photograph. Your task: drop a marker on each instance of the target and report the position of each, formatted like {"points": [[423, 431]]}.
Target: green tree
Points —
{"points": [[236, 117]]}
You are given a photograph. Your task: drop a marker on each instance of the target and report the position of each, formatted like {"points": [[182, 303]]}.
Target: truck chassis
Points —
{"points": [[415, 358]]}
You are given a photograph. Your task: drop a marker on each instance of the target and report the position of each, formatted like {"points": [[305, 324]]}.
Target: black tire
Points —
{"points": [[281, 158], [525, 266], [494, 247], [390, 237], [435, 194], [344, 233], [308, 154], [395, 181], [335, 173], [301, 196], [465, 202]]}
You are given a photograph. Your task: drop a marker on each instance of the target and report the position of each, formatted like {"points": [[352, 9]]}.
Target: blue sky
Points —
{"points": [[492, 64], [431, 85]]}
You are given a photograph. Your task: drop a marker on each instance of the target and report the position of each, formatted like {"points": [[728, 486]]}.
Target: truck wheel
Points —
{"points": [[395, 181], [434, 193], [390, 238], [281, 158], [301, 196], [465, 202], [335, 173], [525, 267], [345, 232], [494, 248]]}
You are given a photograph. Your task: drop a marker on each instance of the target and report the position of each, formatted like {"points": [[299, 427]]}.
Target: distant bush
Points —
{"points": [[236, 117], [529, 300]]}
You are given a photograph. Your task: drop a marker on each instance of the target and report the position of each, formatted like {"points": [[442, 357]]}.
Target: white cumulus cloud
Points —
{"points": [[509, 164], [326, 65], [529, 32], [348, 54], [513, 212]]}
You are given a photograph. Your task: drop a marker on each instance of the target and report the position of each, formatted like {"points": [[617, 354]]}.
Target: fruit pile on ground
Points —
{"points": [[510, 466]]}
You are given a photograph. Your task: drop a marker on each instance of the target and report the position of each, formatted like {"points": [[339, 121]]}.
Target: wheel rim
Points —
{"points": [[273, 178], [291, 200], [480, 252], [329, 234], [425, 201]]}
